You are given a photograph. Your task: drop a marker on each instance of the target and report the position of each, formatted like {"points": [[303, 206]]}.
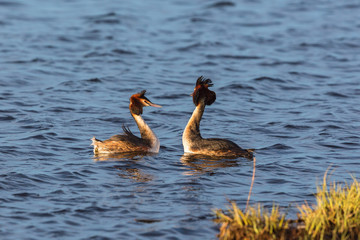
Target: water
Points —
{"points": [[286, 74]]}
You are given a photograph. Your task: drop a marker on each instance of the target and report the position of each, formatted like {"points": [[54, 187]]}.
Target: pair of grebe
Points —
{"points": [[192, 141]]}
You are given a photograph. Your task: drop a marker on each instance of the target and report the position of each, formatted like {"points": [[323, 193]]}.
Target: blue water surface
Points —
{"points": [[286, 75]]}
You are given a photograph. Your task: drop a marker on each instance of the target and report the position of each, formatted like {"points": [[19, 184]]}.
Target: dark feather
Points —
{"points": [[203, 81], [202, 91], [128, 132], [199, 81], [142, 93], [210, 97]]}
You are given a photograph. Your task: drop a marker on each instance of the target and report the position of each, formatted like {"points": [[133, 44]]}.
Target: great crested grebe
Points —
{"points": [[128, 142], [192, 140]]}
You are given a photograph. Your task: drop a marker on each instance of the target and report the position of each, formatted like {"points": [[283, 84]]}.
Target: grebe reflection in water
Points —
{"points": [[197, 164]]}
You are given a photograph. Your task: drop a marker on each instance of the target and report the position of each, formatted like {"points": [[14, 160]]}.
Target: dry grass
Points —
{"points": [[336, 215]]}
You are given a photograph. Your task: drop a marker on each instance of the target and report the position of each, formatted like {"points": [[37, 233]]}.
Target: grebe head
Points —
{"points": [[138, 101], [202, 92]]}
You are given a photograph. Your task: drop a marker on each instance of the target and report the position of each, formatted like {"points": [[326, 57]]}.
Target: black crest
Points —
{"points": [[204, 82], [142, 93], [202, 92]]}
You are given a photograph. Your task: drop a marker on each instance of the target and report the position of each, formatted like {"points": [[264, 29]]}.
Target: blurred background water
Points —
{"points": [[286, 74]]}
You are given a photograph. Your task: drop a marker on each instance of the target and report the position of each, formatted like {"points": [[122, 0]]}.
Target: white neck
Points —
{"points": [[147, 133], [192, 130]]}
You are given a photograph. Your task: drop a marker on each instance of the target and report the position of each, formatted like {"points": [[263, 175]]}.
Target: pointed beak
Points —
{"points": [[154, 105]]}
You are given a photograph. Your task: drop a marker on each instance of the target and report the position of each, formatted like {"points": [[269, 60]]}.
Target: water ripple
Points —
{"points": [[286, 79]]}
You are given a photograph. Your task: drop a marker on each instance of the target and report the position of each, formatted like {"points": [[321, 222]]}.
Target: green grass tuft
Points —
{"points": [[256, 223], [336, 215]]}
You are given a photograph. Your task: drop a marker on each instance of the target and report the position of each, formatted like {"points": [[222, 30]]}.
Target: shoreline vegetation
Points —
{"points": [[336, 215]]}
